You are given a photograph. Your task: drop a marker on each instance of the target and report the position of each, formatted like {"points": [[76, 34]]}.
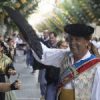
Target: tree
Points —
{"points": [[74, 11], [26, 7]]}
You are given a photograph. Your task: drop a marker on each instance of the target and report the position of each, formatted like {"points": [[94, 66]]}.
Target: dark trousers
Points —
{"points": [[51, 92], [2, 94]]}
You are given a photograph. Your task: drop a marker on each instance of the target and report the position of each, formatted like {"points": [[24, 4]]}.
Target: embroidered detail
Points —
{"points": [[73, 74]]}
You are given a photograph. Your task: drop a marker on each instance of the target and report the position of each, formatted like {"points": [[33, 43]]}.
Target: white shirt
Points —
{"points": [[51, 56], [95, 93], [70, 84], [96, 85]]}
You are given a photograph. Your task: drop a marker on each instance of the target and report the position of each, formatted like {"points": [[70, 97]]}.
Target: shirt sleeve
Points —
{"points": [[51, 56], [96, 85]]}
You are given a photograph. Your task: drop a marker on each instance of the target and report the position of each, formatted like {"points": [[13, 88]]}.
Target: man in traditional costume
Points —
{"points": [[80, 79]]}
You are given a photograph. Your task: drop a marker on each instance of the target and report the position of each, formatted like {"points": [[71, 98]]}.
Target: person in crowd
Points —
{"points": [[6, 68], [46, 39], [29, 58], [11, 48], [48, 87], [53, 40], [43, 83], [95, 41], [5, 87], [93, 49], [80, 79], [19, 42], [52, 74], [47, 80], [5, 47], [62, 44], [41, 77]]}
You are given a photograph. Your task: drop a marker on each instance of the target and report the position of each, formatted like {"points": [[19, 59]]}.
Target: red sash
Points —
{"points": [[80, 70]]}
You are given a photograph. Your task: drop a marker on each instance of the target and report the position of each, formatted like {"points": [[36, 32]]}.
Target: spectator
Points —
{"points": [[6, 69]]}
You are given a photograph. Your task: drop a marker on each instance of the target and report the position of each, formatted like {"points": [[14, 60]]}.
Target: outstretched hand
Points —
{"points": [[16, 85]]}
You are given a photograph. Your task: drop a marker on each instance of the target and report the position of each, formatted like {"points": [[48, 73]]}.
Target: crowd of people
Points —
{"points": [[69, 68], [49, 77], [7, 52]]}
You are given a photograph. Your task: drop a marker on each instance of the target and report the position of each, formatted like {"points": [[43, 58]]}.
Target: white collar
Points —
{"points": [[87, 55], [46, 39]]}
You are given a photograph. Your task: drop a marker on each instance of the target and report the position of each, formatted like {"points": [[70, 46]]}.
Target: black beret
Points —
{"points": [[80, 30]]}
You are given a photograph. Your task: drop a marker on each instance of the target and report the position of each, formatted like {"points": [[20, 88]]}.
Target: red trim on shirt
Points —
{"points": [[80, 70]]}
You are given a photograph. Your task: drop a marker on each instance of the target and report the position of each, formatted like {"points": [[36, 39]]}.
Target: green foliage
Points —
{"points": [[74, 11], [26, 7]]}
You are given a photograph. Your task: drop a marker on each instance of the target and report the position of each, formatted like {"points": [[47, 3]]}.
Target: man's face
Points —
{"points": [[52, 38], [78, 45], [46, 34], [64, 45]]}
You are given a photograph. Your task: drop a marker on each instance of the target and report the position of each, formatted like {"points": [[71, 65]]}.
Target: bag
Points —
{"points": [[10, 95], [67, 94]]}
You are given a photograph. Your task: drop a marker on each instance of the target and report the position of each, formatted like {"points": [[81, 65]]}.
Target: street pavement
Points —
{"points": [[30, 86]]}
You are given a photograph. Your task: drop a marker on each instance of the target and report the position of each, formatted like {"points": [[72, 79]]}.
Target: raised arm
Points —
{"points": [[27, 31], [51, 56], [42, 54]]}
